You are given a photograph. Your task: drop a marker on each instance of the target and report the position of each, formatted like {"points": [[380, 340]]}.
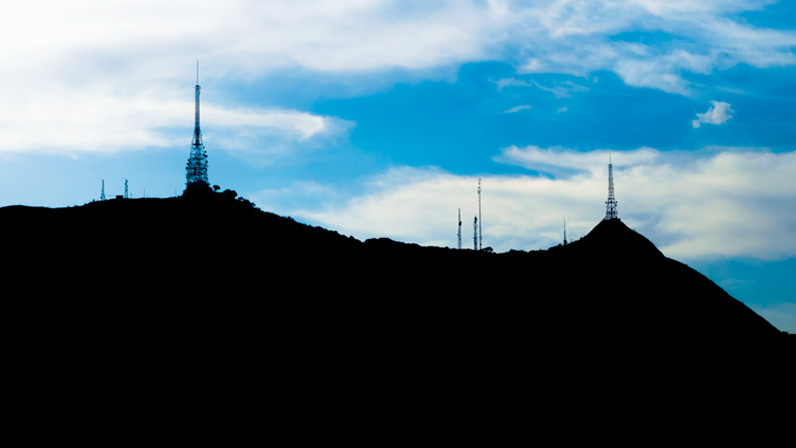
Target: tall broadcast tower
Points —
{"points": [[196, 170], [610, 204]]}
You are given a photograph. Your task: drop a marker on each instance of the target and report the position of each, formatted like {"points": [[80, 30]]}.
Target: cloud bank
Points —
{"points": [[96, 120], [98, 76], [709, 204]]}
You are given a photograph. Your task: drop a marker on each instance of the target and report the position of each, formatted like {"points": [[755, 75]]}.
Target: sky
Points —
{"points": [[377, 118]]}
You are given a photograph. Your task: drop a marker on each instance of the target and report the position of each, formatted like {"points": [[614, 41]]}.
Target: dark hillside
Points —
{"points": [[172, 296], [612, 283], [666, 297]]}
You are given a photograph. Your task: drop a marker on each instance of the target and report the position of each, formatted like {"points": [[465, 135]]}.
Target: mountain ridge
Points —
{"points": [[217, 246]]}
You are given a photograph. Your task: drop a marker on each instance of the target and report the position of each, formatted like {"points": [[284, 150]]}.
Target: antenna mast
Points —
{"points": [[565, 231], [102, 196], [196, 170], [460, 230], [480, 234], [475, 233], [610, 204]]}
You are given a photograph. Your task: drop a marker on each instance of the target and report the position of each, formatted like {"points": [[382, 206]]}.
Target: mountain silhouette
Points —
{"points": [[215, 243], [612, 283], [675, 298], [206, 301]]}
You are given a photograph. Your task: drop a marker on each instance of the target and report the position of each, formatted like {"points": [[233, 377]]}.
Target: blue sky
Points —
{"points": [[377, 118]]}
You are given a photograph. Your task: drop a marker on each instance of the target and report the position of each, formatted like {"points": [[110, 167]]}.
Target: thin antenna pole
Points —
{"points": [[475, 233], [196, 103], [480, 222], [565, 231], [459, 236]]}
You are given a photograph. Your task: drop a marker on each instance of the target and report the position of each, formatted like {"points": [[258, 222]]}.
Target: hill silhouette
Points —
{"points": [[210, 281], [613, 283], [205, 301]]}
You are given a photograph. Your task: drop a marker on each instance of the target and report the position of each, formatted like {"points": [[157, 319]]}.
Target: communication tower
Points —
{"points": [[480, 234], [125, 189], [565, 231], [196, 170], [610, 204], [102, 196]]}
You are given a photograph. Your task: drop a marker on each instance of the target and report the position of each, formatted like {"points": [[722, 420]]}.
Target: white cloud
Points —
{"points": [[694, 205], [718, 113], [303, 124], [93, 75], [661, 71], [518, 108], [325, 35], [579, 37], [558, 160], [511, 82], [421, 206], [100, 76], [98, 120]]}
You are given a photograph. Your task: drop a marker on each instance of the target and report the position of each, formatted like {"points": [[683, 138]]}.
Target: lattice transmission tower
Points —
{"points": [[610, 204], [196, 170]]}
